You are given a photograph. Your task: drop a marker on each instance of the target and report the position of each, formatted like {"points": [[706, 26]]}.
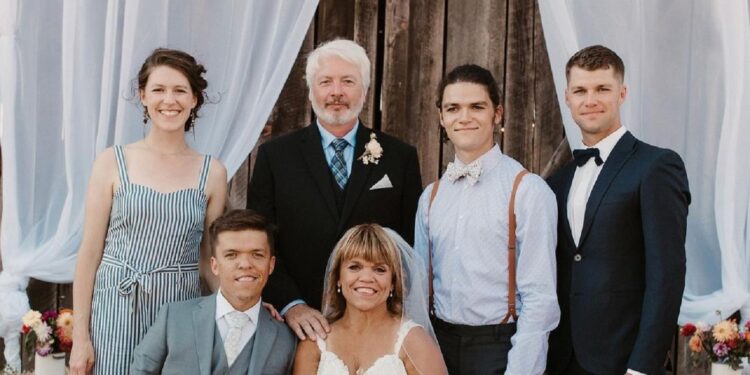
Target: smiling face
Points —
{"points": [[469, 118], [242, 261], [594, 98], [337, 94], [365, 285], [168, 98]]}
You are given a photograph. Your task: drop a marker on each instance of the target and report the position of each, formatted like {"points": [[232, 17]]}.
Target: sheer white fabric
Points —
{"points": [[686, 67], [66, 71]]}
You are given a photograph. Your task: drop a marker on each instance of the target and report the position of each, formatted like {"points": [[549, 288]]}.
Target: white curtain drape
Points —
{"points": [[686, 67], [66, 75]]}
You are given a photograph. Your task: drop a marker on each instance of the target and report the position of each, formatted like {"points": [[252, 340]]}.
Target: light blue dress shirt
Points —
{"points": [[326, 139], [468, 226]]}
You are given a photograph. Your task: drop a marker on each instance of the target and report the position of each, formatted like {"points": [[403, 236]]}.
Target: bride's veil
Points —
{"points": [[414, 293]]}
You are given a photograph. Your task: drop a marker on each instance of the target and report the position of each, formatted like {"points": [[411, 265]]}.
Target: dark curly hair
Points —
{"points": [[182, 62]]}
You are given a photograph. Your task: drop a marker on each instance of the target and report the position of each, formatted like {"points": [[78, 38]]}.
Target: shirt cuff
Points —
{"points": [[633, 372], [299, 301]]}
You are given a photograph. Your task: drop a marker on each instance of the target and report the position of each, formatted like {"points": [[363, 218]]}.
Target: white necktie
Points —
{"points": [[236, 321]]}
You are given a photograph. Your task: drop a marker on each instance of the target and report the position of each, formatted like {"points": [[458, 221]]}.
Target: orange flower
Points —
{"points": [[695, 344]]}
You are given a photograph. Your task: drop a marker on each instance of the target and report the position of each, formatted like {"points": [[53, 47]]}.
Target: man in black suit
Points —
{"points": [[318, 181], [623, 208]]}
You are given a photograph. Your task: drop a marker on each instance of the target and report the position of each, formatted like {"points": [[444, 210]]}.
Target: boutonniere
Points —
{"points": [[373, 151]]}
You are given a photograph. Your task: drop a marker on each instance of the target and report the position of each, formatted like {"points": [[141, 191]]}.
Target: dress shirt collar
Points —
{"points": [[326, 137], [223, 307], [607, 144], [488, 161]]}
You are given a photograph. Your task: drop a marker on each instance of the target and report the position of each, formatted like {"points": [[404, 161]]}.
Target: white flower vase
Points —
{"points": [[723, 369], [51, 364]]}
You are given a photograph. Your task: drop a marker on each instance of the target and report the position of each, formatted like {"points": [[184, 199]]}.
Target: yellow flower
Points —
{"points": [[695, 343], [32, 318], [726, 330]]}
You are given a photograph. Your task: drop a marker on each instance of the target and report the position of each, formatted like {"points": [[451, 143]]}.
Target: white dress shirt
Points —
{"points": [[223, 307], [583, 181], [468, 226]]}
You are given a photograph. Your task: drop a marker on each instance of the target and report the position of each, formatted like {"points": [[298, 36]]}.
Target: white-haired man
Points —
{"points": [[318, 181]]}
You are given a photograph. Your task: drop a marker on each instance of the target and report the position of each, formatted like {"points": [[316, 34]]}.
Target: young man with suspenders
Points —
{"points": [[487, 232]]}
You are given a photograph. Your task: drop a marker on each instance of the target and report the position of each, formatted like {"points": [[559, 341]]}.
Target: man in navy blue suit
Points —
{"points": [[623, 208]]}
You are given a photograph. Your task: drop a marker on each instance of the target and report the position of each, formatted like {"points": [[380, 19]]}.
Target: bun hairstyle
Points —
{"points": [[185, 64]]}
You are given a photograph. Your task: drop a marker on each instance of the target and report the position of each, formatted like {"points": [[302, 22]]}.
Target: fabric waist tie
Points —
{"points": [[127, 285]]}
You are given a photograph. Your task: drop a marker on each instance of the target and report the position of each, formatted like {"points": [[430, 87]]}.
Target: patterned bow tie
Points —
{"points": [[471, 172], [582, 156]]}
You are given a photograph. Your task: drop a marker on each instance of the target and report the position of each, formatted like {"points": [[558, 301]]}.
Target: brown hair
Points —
{"points": [[182, 62], [239, 220], [595, 58], [371, 243], [469, 73]]}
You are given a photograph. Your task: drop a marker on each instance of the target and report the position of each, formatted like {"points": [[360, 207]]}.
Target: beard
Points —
{"points": [[340, 117]]}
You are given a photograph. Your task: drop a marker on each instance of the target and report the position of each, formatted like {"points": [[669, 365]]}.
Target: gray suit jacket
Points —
{"points": [[181, 342]]}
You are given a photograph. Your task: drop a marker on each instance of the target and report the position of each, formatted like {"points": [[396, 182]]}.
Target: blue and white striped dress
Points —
{"points": [[150, 258]]}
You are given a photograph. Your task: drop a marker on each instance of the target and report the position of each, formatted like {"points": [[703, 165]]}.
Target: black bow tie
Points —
{"points": [[583, 156]]}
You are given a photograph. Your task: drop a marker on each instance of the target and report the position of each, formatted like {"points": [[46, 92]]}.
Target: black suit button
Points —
{"points": [[577, 257]]}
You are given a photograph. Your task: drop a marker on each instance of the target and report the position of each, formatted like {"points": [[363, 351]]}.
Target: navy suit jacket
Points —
{"points": [[620, 300], [293, 187]]}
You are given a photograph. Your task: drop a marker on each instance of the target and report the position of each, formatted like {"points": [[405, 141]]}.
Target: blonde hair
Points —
{"points": [[371, 243]]}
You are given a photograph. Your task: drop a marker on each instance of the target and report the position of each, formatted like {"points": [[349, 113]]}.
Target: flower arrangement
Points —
{"points": [[51, 332], [373, 151], [723, 342]]}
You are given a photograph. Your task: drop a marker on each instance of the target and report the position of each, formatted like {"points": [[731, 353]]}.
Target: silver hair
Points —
{"points": [[344, 49]]}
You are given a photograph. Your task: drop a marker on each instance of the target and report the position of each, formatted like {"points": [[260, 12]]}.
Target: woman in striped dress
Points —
{"points": [[147, 207]]}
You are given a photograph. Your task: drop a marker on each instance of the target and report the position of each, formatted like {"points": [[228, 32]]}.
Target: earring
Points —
{"points": [[338, 289], [391, 295], [192, 118], [145, 115]]}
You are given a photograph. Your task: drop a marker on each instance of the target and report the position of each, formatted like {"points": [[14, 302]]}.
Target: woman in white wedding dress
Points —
{"points": [[375, 298]]}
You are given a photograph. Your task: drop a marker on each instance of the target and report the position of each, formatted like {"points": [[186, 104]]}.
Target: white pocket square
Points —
{"points": [[384, 183]]}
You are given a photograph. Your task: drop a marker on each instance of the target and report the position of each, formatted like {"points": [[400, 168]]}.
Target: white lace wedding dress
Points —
{"points": [[389, 364]]}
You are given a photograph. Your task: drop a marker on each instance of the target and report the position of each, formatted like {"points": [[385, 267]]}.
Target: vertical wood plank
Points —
{"points": [[292, 109], [476, 34], [414, 37], [335, 19], [548, 130], [366, 34], [237, 193], [519, 88]]}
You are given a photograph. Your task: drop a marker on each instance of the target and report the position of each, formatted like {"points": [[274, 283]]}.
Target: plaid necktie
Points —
{"points": [[338, 165]]}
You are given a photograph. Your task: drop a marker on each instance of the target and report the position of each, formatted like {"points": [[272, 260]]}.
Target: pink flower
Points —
{"points": [[721, 349], [44, 350]]}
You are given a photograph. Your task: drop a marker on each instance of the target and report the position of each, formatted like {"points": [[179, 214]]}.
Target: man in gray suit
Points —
{"points": [[230, 331]]}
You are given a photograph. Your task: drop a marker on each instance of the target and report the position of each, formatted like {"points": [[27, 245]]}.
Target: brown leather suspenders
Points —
{"points": [[511, 247]]}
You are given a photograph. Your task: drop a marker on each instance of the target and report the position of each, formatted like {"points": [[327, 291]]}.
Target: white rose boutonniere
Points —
{"points": [[373, 151]]}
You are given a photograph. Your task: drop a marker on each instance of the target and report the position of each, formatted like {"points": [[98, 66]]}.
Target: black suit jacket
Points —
{"points": [[620, 301], [292, 186]]}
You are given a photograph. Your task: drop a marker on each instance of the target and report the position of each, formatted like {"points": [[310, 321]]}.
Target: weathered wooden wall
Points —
{"points": [[411, 44]]}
